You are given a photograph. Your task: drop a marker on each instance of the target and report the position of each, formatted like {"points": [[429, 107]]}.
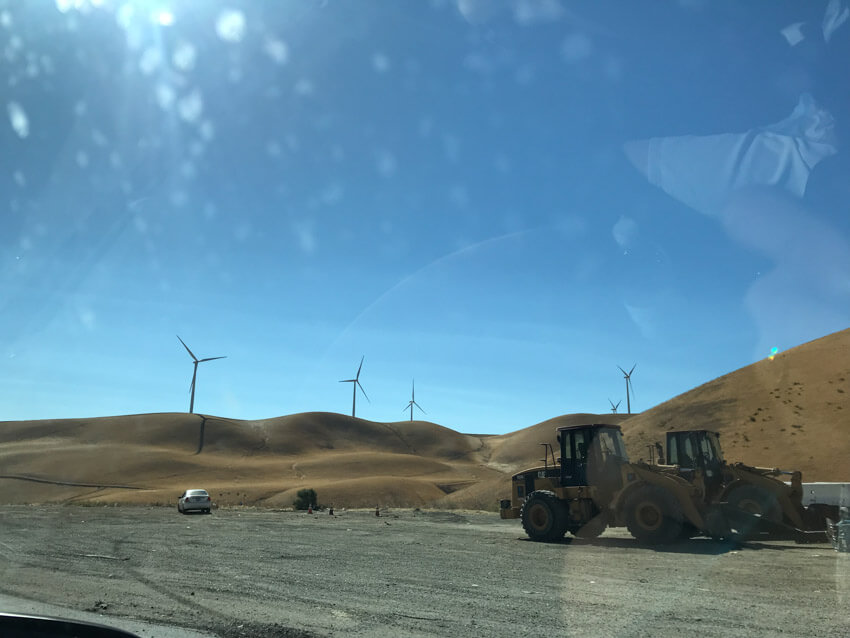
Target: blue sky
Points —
{"points": [[438, 186]]}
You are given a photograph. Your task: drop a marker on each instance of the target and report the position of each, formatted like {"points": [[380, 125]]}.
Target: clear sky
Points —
{"points": [[439, 186]]}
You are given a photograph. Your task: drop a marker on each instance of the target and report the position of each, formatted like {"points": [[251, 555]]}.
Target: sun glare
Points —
{"points": [[165, 18]]}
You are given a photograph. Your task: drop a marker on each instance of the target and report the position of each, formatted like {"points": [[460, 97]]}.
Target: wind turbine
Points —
{"points": [[628, 377], [412, 401], [614, 407], [355, 382], [195, 372]]}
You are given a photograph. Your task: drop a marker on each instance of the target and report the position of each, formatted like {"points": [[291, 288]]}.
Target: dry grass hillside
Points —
{"points": [[153, 457], [788, 412], [791, 412]]}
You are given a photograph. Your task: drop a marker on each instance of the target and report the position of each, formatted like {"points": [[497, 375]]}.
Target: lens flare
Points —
{"points": [[773, 352], [165, 18]]}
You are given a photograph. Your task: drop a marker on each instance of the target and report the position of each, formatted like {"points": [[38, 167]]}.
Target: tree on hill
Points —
{"points": [[305, 499]]}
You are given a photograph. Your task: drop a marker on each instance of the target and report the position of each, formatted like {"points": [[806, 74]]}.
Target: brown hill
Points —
{"points": [[153, 457], [791, 412], [788, 412]]}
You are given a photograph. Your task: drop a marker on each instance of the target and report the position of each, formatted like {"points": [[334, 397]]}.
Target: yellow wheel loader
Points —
{"points": [[755, 500], [592, 485]]}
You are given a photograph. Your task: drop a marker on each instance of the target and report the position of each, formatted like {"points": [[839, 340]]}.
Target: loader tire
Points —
{"points": [[544, 517], [654, 516]]}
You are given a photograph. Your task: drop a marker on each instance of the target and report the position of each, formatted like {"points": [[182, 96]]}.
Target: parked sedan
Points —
{"points": [[194, 500]]}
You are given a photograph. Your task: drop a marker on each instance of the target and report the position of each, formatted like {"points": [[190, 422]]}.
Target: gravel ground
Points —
{"points": [[408, 573]]}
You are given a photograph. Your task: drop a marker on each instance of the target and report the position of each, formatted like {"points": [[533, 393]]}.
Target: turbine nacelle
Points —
{"points": [[356, 384], [195, 361], [630, 392], [412, 402]]}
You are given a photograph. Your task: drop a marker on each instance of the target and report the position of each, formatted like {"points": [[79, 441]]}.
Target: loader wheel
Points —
{"points": [[544, 517], [654, 516]]}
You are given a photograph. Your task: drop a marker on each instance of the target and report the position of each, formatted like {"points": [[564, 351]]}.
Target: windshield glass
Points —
{"points": [[711, 447], [342, 261], [610, 443]]}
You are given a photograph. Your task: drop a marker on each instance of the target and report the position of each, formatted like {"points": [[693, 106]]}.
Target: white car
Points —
{"points": [[194, 500]]}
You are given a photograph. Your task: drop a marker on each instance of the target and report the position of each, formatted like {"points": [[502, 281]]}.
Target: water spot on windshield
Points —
{"points": [[304, 88], [165, 96], [18, 118], [5, 19], [576, 47], [184, 56], [150, 60], [207, 130], [529, 12], [386, 163], [380, 63], [277, 50], [273, 149], [625, 231], [82, 159], [190, 106], [230, 25]]}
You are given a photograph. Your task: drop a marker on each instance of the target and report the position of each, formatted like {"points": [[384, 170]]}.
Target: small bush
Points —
{"points": [[305, 498]]}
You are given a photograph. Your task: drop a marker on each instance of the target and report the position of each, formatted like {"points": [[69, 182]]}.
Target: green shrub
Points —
{"points": [[305, 498]]}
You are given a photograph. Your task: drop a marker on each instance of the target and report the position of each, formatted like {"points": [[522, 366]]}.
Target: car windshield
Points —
{"points": [[347, 264]]}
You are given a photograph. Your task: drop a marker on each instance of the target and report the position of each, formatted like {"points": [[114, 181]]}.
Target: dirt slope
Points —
{"points": [[791, 412]]}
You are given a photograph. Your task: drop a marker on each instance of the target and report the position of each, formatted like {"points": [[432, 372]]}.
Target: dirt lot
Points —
{"points": [[266, 573]]}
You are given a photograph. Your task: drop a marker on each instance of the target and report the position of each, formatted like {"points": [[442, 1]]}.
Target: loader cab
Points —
{"points": [[591, 455], [695, 450]]}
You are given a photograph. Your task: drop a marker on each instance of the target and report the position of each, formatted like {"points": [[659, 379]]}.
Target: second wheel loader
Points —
{"points": [[775, 507]]}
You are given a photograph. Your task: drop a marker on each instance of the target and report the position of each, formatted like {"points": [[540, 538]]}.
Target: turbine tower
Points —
{"points": [[613, 406], [355, 383], [628, 377], [195, 373], [412, 401]]}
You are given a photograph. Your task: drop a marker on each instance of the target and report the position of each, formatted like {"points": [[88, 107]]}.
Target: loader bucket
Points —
{"points": [[743, 525]]}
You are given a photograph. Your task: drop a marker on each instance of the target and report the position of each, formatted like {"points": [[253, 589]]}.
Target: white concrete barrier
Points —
{"points": [[826, 493]]}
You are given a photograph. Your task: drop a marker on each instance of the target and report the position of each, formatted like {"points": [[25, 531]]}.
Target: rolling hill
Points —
{"points": [[788, 412]]}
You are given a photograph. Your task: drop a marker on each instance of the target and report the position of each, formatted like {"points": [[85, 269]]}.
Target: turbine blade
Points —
{"points": [[194, 358], [363, 391], [211, 359], [420, 407], [633, 369], [348, 381], [360, 367], [621, 370]]}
